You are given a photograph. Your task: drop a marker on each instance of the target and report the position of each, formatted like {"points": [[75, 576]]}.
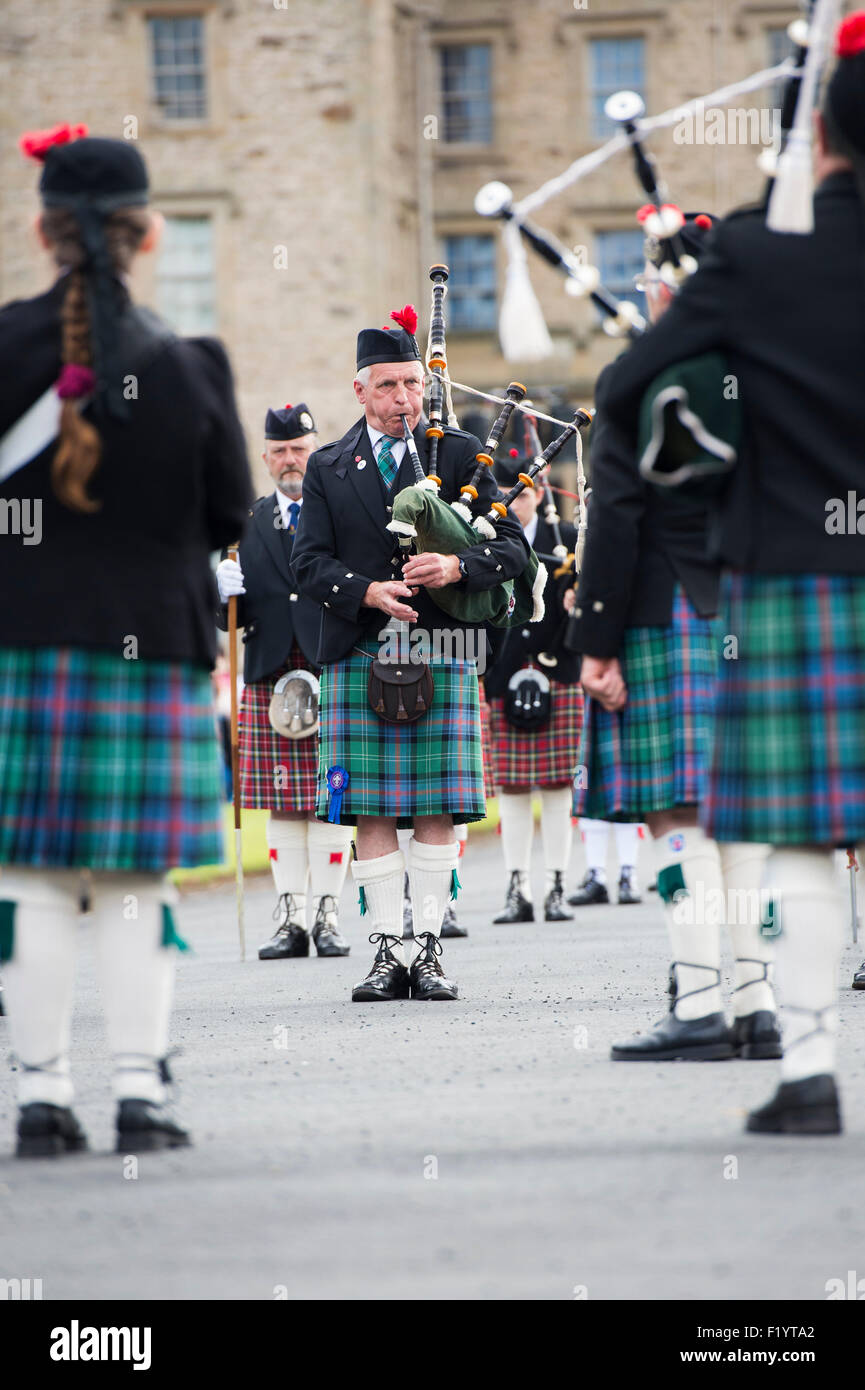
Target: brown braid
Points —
{"points": [[80, 447]]}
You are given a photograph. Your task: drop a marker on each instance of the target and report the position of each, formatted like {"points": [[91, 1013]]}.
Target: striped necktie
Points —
{"points": [[387, 464]]}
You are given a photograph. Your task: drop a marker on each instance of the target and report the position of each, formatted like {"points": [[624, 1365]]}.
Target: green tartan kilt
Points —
{"points": [[433, 767], [788, 761], [107, 764], [654, 754]]}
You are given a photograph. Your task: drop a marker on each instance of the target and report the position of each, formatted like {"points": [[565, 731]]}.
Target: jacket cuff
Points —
{"points": [[600, 627], [346, 595]]}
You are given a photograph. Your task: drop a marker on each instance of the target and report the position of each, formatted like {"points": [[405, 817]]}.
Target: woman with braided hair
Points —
{"points": [[121, 444]]}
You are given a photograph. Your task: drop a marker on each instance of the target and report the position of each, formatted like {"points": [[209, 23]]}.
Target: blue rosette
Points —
{"points": [[337, 781]]}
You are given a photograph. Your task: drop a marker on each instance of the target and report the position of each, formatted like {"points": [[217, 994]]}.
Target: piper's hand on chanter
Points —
{"points": [[569, 600], [387, 595], [601, 677], [431, 570]]}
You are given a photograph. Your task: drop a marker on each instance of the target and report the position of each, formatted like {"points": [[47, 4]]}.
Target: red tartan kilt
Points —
{"points": [[545, 757], [263, 751]]}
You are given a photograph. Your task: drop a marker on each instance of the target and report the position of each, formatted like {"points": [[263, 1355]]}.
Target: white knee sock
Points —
{"points": [[382, 882], [743, 867], [430, 876], [329, 849], [556, 831], [515, 815], [811, 911], [39, 980], [289, 861], [136, 976], [596, 834], [691, 889], [627, 843]]}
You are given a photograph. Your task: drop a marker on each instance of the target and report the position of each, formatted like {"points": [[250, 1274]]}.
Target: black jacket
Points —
{"points": [[342, 544], [789, 313], [639, 543], [173, 484], [521, 645], [271, 612]]}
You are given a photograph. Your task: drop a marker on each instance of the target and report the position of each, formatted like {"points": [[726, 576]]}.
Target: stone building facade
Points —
{"points": [[312, 157]]}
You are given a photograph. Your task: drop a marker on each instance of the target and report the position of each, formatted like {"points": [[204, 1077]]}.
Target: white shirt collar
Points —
{"points": [[397, 449], [531, 530], [285, 503]]}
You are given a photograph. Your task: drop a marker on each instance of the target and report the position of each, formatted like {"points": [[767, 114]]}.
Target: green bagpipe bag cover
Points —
{"points": [[438, 527], [690, 425]]}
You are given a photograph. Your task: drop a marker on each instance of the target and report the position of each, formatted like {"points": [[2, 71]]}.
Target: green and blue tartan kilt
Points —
{"points": [[788, 763], [107, 763], [276, 773], [433, 767], [654, 754]]}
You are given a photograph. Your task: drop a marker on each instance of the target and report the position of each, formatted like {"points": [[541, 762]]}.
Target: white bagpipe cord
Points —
{"points": [[581, 509], [523, 332], [500, 400], [444, 376], [586, 164], [791, 203]]}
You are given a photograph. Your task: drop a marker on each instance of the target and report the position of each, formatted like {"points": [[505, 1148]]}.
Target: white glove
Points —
{"points": [[229, 579]]}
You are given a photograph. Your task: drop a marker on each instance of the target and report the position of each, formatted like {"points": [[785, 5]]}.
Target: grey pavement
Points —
{"points": [[483, 1149]]}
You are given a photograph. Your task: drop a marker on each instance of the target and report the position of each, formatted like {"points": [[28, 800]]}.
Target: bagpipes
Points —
{"points": [[420, 518], [519, 305], [622, 319]]}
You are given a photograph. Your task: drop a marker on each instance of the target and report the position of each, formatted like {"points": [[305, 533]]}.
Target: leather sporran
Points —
{"points": [[528, 702], [400, 692]]}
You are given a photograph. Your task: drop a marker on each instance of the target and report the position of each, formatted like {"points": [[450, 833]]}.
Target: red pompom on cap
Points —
{"points": [[514, 453], [850, 38], [645, 211], [702, 220], [406, 318], [36, 143], [288, 405]]}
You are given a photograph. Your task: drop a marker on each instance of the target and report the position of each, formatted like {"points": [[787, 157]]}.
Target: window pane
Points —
{"points": [[179, 78], [186, 291], [615, 65], [471, 299], [619, 258], [466, 93]]}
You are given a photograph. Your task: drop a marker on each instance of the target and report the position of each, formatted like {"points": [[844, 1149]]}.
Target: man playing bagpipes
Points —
{"points": [[651, 643], [536, 711], [278, 723], [788, 762], [400, 742]]}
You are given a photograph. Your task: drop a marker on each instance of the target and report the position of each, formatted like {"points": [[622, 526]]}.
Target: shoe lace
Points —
{"points": [[385, 958], [432, 948], [285, 910], [760, 979], [321, 912], [513, 892], [677, 998]]}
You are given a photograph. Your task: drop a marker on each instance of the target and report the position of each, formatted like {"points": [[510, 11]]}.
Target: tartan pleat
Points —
{"points": [[788, 763], [486, 744], [276, 773], [540, 758], [429, 768], [654, 754], [107, 763]]}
